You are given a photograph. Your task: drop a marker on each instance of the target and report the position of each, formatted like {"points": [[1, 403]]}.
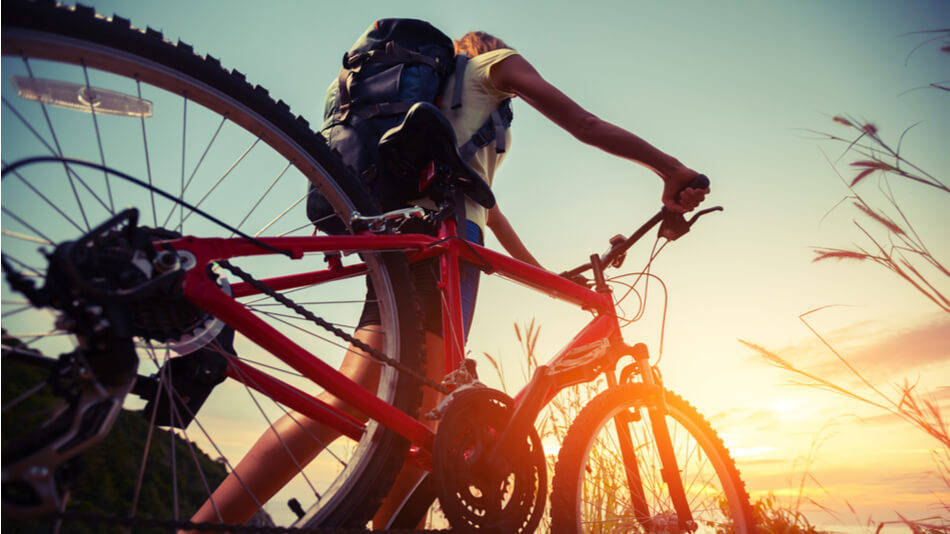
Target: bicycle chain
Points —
{"points": [[176, 525], [322, 323]]}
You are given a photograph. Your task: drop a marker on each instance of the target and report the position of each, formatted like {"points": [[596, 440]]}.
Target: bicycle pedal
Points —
{"points": [[465, 374]]}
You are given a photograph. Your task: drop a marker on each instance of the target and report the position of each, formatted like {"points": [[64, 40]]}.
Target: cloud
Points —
{"points": [[875, 354], [890, 418], [750, 419]]}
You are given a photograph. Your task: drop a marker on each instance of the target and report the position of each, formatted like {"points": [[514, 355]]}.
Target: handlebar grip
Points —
{"points": [[701, 181]]}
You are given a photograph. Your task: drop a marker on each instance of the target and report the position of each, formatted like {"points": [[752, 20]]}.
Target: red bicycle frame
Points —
{"points": [[580, 360]]}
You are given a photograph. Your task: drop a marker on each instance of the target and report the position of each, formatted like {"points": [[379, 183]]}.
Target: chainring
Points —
{"points": [[508, 496]]}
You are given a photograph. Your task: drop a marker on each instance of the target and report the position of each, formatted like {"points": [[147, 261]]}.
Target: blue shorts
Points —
{"points": [[425, 276]]}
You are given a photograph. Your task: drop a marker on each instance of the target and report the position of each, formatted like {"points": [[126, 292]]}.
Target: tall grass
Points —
{"points": [[889, 238], [904, 401], [555, 420]]}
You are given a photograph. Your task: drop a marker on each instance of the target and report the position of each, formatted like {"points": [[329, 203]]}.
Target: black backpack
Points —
{"points": [[393, 65]]}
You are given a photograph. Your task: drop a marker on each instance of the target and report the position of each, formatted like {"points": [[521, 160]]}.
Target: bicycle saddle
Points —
{"points": [[424, 136]]}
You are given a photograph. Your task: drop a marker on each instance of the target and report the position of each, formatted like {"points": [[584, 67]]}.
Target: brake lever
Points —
{"points": [[700, 213], [675, 225]]}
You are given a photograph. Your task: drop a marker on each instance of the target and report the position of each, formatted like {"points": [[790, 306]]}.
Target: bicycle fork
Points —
{"points": [[661, 433]]}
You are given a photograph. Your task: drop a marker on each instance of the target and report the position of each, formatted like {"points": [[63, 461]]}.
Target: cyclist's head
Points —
{"points": [[475, 43]]}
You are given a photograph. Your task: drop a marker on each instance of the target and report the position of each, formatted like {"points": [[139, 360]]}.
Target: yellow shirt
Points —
{"points": [[479, 99]]}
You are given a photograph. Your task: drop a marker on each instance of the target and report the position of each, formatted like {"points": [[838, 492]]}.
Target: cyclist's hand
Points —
{"points": [[688, 198]]}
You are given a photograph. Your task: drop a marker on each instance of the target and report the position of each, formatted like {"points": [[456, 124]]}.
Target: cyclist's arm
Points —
{"points": [[508, 238], [515, 75]]}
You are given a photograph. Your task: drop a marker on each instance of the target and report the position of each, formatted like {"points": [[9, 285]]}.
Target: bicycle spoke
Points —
{"points": [[197, 462], [270, 425], [29, 126], [302, 319], [148, 165], [261, 198], [318, 336], [148, 440], [70, 173], [59, 152], [44, 198], [271, 367], [95, 124], [167, 376], [244, 376], [184, 129], [234, 158], [214, 445], [214, 136], [285, 292], [311, 303], [23, 396], [605, 500], [194, 456], [46, 239], [297, 229], [22, 265], [7, 315], [216, 184], [35, 337], [279, 217]]}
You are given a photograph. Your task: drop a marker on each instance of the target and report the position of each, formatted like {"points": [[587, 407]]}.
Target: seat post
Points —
{"points": [[458, 200]]}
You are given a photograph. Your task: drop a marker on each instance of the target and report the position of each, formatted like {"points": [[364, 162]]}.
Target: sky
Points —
{"points": [[734, 90]]}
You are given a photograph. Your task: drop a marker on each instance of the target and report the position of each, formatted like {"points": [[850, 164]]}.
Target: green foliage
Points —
{"points": [[103, 478]]}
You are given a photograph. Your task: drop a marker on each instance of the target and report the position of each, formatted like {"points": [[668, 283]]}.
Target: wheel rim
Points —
{"points": [[231, 145], [604, 499]]}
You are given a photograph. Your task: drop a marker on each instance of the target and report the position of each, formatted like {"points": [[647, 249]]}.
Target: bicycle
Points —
{"points": [[134, 294]]}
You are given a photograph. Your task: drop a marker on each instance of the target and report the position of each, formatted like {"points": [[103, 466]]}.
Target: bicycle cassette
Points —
{"points": [[506, 495]]}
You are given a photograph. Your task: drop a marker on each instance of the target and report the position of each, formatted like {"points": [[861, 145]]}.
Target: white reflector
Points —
{"points": [[81, 98]]}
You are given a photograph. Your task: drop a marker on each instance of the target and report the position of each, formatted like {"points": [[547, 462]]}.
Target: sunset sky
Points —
{"points": [[731, 89]]}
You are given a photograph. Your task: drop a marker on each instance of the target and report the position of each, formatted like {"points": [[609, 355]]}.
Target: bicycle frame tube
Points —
{"points": [[200, 290], [203, 292], [453, 329]]}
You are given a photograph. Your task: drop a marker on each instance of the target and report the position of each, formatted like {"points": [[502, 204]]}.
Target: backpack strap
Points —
{"points": [[492, 130], [461, 61], [392, 53], [386, 108], [343, 92]]}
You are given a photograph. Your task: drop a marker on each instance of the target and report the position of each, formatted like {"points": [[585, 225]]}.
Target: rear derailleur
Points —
{"points": [[111, 289]]}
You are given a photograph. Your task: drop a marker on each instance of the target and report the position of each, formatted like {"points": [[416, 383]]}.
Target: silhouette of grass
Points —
{"points": [[906, 402], [895, 245], [771, 516]]}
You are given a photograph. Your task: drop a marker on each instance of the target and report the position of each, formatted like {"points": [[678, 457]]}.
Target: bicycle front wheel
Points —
{"points": [[79, 85], [599, 488]]}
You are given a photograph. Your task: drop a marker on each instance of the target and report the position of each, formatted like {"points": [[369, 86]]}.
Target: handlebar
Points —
{"points": [[674, 226]]}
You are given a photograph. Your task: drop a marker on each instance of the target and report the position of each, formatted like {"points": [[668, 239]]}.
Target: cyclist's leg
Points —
{"points": [[267, 467], [410, 474]]}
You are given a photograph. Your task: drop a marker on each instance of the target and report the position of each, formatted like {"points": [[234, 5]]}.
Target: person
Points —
{"points": [[494, 73]]}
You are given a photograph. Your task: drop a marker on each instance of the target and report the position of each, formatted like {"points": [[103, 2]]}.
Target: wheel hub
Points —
{"points": [[118, 263]]}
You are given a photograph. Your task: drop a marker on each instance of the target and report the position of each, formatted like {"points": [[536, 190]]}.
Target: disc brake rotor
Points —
{"points": [[507, 496]]}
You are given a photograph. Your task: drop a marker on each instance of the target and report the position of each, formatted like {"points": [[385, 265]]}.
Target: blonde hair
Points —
{"points": [[476, 43]]}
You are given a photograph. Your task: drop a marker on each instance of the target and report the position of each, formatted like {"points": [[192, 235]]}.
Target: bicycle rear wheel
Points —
{"points": [[82, 86], [593, 489]]}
